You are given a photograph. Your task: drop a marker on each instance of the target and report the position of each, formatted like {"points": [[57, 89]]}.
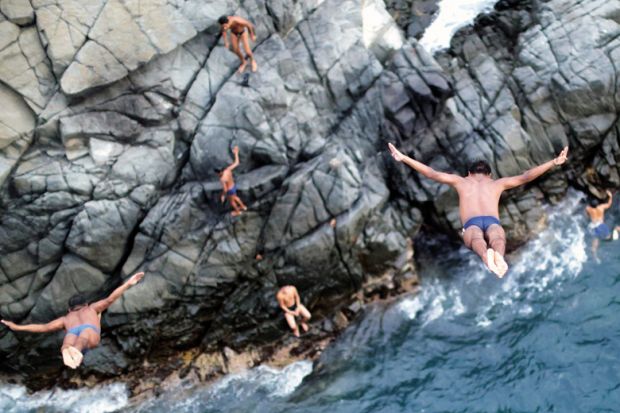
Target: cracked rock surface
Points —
{"points": [[116, 113]]}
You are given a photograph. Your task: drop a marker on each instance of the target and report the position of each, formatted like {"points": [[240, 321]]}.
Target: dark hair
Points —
{"points": [[223, 19], [479, 167], [77, 300], [218, 170], [594, 202]]}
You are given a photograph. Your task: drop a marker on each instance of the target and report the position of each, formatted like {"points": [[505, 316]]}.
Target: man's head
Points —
{"points": [[218, 171], [223, 20], [479, 167], [594, 202], [77, 301]]}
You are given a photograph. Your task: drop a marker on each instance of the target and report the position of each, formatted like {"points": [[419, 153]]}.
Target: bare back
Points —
{"points": [[287, 295], [85, 315], [597, 215], [478, 196]]}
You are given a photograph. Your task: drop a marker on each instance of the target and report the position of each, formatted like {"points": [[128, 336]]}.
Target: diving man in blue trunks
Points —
{"points": [[479, 196], [598, 227], [82, 323], [229, 189]]}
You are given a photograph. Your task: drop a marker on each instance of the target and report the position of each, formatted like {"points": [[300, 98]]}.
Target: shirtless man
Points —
{"points": [[600, 230], [237, 26], [229, 189], [289, 301], [82, 324], [479, 196]]}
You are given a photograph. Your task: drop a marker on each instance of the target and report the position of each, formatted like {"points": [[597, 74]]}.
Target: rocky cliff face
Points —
{"points": [[116, 112]]}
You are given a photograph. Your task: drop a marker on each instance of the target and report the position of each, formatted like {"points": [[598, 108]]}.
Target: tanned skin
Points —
{"points": [[228, 182], [73, 345], [237, 26], [288, 297], [479, 195], [597, 216]]}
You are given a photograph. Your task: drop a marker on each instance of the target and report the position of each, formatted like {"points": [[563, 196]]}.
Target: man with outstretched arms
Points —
{"points": [[479, 196], [82, 323]]}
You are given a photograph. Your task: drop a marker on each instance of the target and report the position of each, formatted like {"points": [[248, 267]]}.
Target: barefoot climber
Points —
{"points": [[290, 303], [479, 196], [82, 323], [229, 189], [237, 26]]}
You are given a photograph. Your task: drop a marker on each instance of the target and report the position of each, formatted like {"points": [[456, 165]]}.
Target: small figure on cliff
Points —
{"points": [[237, 26], [479, 196], [82, 323], [598, 227], [229, 189], [290, 303]]}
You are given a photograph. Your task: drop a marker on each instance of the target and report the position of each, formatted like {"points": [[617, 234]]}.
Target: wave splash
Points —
{"points": [[101, 399]]}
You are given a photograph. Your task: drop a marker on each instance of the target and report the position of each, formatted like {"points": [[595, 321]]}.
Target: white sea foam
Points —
{"points": [[101, 399], [259, 382], [453, 14], [275, 382]]}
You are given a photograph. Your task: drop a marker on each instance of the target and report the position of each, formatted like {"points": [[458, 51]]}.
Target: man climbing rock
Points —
{"points": [[229, 189], [238, 33]]}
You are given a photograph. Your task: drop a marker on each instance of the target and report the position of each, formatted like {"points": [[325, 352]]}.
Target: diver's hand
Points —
{"points": [[135, 279], [561, 157], [9, 324], [396, 154]]}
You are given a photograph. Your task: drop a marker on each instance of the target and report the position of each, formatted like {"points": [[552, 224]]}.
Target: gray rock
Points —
{"points": [[101, 230], [18, 12]]}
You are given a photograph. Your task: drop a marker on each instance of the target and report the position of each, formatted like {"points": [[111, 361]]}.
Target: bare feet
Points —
{"points": [[254, 65], [296, 332], [304, 326], [235, 213], [242, 67], [72, 357], [501, 264], [491, 261]]}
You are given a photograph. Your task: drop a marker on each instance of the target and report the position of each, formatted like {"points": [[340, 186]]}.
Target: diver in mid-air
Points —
{"points": [[479, 196]]}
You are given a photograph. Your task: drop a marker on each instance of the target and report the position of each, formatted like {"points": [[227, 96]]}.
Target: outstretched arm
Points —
{"points": [[55, 325], [236, 162], [427, 171], [535, 172], [102, 305]]}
